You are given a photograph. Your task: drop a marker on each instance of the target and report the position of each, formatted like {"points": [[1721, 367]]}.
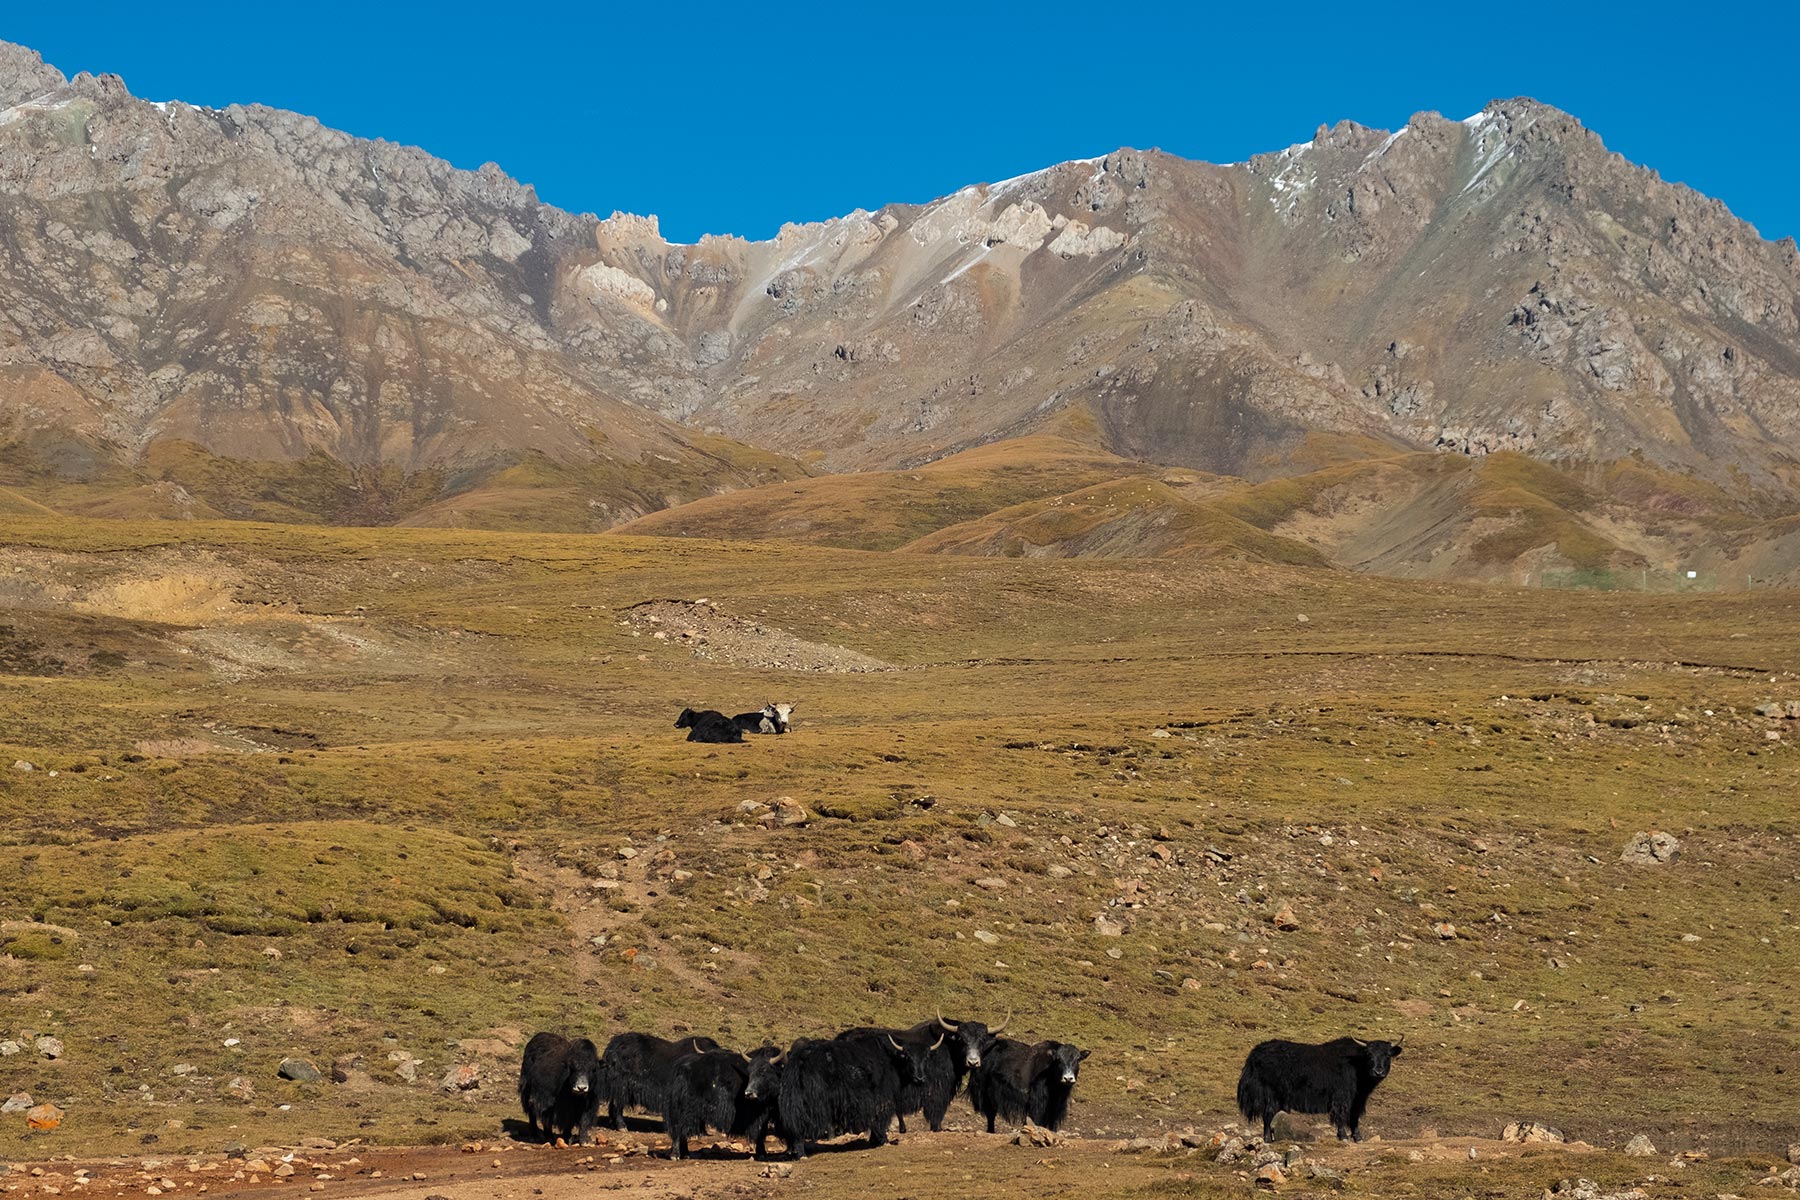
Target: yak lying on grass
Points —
{"points": [[770, 718], [952, 1050], [822, 1088], [559, 1086], [1333, 1077], [1023, 1082], [636, 1069], [706, 1091], [708, 725]]}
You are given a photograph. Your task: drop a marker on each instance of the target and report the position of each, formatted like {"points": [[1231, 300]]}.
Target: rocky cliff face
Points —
{"points": [[251, 284]]}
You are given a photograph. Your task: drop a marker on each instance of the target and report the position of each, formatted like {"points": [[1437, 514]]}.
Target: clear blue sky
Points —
{"points": [[735, 118]]}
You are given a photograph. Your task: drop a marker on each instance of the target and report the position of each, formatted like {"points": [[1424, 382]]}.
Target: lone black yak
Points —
{"points": [[1025, 1082], [1334, 1077], [708, 725], [953, 1049], [559, 1086], [636, 1069]]}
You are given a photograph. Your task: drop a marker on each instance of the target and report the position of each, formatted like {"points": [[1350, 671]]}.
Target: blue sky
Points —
{"points": [[736, 118]]}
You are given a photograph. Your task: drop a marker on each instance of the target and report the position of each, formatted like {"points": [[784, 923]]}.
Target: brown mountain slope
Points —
{"points": [[1138, 517], [882, 510], [381, 337]]}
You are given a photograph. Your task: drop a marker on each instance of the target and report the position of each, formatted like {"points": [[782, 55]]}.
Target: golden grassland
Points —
{"points": [[343, 793]]}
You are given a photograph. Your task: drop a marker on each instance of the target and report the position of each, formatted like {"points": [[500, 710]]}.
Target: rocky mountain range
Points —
{"points": [[241, 312]]}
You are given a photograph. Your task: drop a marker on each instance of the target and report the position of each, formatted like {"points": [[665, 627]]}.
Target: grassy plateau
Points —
{"points": [[393, 799]]}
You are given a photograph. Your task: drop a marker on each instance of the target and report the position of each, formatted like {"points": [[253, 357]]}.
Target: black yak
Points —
{"points": [[559, 1086], [708, 725], [770, 718], [634, 1071], [820, 1089], [1021, 1082], [1335, 1077], [706, 1091], [953, 1049]]}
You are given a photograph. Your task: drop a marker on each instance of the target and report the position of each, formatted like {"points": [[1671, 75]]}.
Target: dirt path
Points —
{"points": [[929, 1164]]}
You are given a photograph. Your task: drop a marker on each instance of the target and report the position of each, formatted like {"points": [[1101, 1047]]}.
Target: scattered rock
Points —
{"points": [[986, 937], [1650, 849], [241, 1088], [1106, 928], [1445, 930], [22, 765], [9, 1048], [1640, 1147], [342, 1065], [18, 1102], [1788, 710], [1531, 1131], [1036, 1135], [777, 1170], [1285, 919], [405, 1065], [1270, 1176], [43, 1116], [282, 1170], [460, 1078], [991, 883], [299, 1070], [787, 811], [49, 1047], [1793, 1154]]}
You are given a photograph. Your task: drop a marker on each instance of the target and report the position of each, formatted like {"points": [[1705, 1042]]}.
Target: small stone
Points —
{"points": [[49, 1047], [1531, 1131], [405, 1065], [299, 1070], [1006, 820], [1270, 1176], [283, 1170], [1640, 1147], [991, 883], [43, 1116], [1285, 919], [22, 765], [9, 1048], [1445, 930], [460, 1078], [1793, 1153], [986, 938], [1159, 733], [1058, 871], [18, 1102], [1106, 928], [1650, 849], [1690, 937]]}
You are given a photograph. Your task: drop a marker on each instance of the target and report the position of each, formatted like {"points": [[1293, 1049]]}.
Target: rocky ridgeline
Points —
{"points": [[176, 273]]}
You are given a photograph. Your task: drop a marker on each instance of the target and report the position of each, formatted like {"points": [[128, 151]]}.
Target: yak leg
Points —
{"points": [[613, 1116], [990, 1118], [902, 1121]]}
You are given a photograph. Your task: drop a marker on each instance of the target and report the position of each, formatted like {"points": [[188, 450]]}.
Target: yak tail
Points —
{"points": [[1249, 1097]]}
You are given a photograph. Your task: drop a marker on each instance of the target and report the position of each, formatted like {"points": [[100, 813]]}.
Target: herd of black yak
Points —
{"points": [[862, 1080]]}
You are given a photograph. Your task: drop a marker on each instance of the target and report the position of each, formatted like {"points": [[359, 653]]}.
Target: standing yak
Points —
{"points": [[821, 1088], [953, 1049], [1334, 1077], [635, 1071], [706, 1091], [559, 1086], [1021, 1082]]}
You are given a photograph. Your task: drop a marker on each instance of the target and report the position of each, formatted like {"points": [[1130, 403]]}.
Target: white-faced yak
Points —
{"points": [[559, 1087], [1018, 1082]]}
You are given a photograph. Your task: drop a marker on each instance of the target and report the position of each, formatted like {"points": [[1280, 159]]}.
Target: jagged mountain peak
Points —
{"points": [[251, 282]]}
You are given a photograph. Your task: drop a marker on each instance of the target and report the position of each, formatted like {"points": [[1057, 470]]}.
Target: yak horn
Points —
{"points": [[1002, 1025], [1399, 1039], [894, 1044], [940, 1040], [946, 1024]]}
